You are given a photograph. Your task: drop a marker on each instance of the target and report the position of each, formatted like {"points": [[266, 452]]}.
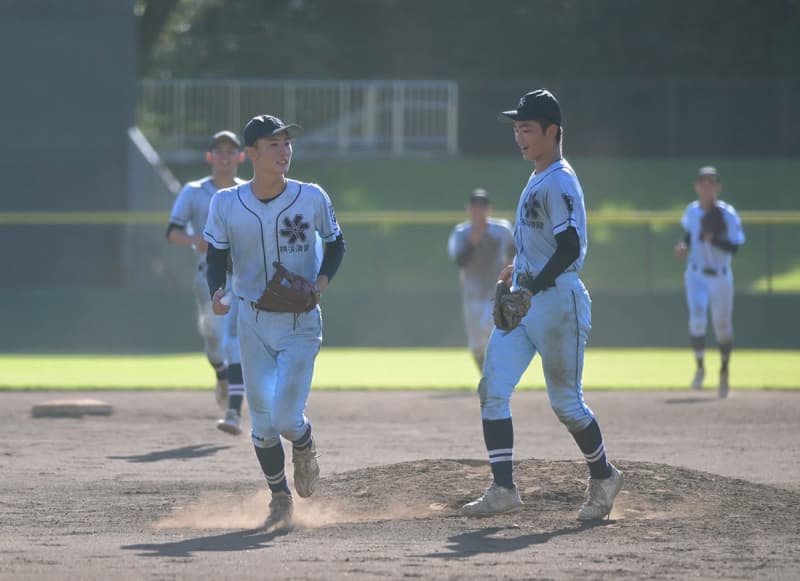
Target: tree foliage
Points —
{"points": [[478, 39]]}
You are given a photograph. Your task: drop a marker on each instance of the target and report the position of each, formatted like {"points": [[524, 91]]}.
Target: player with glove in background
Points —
{"points": [[541, 306], [713, 234], [269, 228]]}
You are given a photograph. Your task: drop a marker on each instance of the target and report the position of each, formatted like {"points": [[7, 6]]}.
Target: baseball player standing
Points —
{"points": [[713, 234], [266, 225], [187, 219], [550, 238], [481, 247]]}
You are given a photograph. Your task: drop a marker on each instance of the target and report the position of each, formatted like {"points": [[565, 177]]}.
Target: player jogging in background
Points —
{"points": [[713, 234], [549, 312], [186, 223], [269, 227], [481, 247]]}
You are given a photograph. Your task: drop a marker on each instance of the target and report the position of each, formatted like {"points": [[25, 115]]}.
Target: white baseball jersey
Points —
{"points": [[281, 230], [190, 209], [704, 255], [491, 256], [551, 202]]}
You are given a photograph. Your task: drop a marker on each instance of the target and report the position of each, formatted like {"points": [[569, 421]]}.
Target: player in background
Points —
{"points": [[551, 243], [267, 221], [713, 234], [481, 247], [186, 223]]}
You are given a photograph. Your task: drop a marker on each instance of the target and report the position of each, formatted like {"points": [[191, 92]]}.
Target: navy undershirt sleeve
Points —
{"points": [[216, 268], [332, 257], [173, 226], [568, 249], [725, 245]]}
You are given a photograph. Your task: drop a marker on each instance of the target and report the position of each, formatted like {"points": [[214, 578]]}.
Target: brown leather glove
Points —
{"points": [[298, 295], [713, 223], [510, 308]]}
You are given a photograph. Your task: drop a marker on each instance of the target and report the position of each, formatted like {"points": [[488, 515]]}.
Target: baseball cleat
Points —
{"points": [[232, 424], [724, 386], [699, 376], [221, 393], [496, 500], [600, 495], [306, 470], [281, 508]]}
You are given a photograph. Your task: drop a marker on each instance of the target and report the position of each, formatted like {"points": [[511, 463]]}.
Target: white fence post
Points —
{"points": [[452, 119], [398, 118]]}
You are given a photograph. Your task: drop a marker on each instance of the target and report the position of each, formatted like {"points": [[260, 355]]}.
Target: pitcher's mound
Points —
{"points": [[655, 496], [71, 408]]}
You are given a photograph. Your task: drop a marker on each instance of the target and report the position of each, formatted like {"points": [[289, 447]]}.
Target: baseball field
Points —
{"points": [[403, 369], [154, 491]]}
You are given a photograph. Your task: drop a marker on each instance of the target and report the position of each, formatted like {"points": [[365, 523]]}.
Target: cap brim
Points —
{"points": [[292, 129], [512, 115], [225, 139]]}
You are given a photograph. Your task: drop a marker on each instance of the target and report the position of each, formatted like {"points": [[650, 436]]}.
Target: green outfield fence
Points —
{"points": [[398, 288], [639, 243]]}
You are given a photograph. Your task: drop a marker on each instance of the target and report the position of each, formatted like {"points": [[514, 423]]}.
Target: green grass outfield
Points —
{"points": [[398, 369]]}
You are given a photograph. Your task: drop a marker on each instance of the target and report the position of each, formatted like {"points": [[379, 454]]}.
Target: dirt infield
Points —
{"points": [[155, 492]]}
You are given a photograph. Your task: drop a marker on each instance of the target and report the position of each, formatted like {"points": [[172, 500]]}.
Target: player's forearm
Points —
{"points": [[568, 249], [332, 258], [217, 268], [725, 245], [177, 235]]}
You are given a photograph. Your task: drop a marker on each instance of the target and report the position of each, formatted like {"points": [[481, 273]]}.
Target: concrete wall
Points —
{"points": [[68, 98]]}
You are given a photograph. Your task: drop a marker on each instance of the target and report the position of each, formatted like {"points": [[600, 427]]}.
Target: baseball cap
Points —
{"points": [[539, 105], [267, 126], [707, 171], [221, 136], [479, 197]]}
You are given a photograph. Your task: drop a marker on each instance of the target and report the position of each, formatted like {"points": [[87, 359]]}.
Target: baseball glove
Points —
{"points": [[713, 223], [510, 307], [298, 296]]}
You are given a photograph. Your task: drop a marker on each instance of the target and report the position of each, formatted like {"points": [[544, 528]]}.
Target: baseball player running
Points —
{"points": [[481, 247], [269, 227], [186, 221], [713, 234], [541, 306]]}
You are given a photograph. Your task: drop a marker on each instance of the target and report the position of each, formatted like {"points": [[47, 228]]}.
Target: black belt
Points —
{"points": [[254, 305], [710, 271]]}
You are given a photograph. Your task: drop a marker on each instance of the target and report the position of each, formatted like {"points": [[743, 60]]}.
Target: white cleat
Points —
{"points": [[232, 424], [699, 376], [496, 500], [600, 495], [281, 509], [221, 393], [306, 470], [724, 385]]}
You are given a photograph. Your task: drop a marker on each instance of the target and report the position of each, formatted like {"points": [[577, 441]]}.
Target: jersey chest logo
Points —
{"points": [[294, 229], [531, 212]]}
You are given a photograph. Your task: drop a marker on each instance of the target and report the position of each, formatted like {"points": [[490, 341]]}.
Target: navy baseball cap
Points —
{"points": [[539, 105], [221, 136], [479, 197], [707, 171], [267, 126]]}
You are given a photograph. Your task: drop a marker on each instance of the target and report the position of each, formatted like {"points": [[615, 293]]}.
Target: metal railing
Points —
{"points": [[397, 118]]}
